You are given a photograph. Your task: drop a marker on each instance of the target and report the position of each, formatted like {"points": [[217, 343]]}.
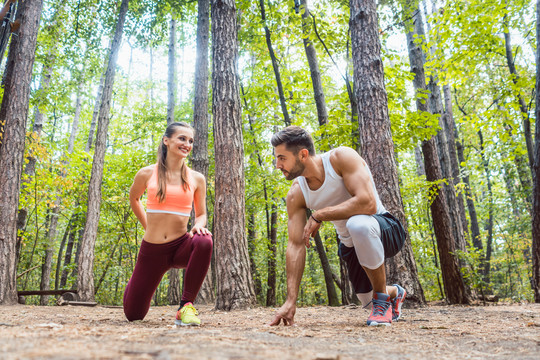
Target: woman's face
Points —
{"points": [[181, 142]]}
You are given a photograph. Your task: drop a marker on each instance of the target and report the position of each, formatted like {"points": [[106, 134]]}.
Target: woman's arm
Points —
{"points": [[137, 190], [199, 202]]}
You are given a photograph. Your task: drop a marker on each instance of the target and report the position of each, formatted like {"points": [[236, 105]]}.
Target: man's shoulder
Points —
{"points": [[295, 197], [343, 157]]}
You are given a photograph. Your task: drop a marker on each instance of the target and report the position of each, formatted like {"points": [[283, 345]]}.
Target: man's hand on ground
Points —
{"points": [[286, 313]]}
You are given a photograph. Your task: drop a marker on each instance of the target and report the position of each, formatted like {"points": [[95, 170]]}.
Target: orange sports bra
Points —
{"points": [[177, 200]]}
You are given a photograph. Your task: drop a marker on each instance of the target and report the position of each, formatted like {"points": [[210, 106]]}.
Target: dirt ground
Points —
{"points": [[442, 332]]}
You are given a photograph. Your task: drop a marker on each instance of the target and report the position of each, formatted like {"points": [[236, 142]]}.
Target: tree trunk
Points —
{"points": [[272, 241], [322, 115], [199, 155], [454, 285], [419, 158], [441, 140], [85, 278], [449, 126], [489, 225], [173, 291], [376, 143], [475, 228], [275, 66], [60, 253], [95, 114], [234, 281], [69, 250], [46, 268], [311, 55], [13, 113], [252, 237], [5, 32], [348, 295], [171, 79], [536, 173]]}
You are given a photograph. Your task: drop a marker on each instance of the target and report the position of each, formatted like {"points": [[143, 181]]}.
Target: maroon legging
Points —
{"points": [[154, 260]]}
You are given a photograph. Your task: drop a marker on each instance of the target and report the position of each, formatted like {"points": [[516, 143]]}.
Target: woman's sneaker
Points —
{"points": [[381, 313], [397, 302], [187, 316]]}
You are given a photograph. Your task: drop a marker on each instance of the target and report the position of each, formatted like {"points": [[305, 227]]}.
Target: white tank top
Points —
{"points": [[333, 192]]}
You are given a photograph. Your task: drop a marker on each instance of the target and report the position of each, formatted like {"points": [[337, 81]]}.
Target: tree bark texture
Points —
{"points": [[375, 139], [199, 157], [173, 291], [311, 55], [234, 281], [171, 78], [13, 115], [536, 173], [85, 278], [275, 65], [454, 285]]}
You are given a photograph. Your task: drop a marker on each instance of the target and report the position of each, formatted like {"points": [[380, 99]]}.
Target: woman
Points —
{"points": [[172, 189]]}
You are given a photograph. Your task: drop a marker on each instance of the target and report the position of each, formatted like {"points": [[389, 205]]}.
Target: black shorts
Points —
{"points": [[392, 236]]}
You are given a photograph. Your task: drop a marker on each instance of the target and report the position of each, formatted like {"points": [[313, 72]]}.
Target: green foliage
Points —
{"points": [[465, 50]]}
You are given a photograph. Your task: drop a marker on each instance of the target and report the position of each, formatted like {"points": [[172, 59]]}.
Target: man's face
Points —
{"points": [[289, 164]]}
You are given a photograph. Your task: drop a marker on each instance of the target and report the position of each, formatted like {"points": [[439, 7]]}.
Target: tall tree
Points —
{"points": [[376, 143], [322, 115], [85, 278], [173, 291], [456, 291], [200, 121], [536, 172], [13, 114], [171, 78], [311, 55], [234, 281], [275, 65]]}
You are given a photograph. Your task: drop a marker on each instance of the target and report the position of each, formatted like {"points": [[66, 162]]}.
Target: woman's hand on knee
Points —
{"points": [[199, 230]]}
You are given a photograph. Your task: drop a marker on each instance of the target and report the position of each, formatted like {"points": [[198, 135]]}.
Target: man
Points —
{"points": [[339, 186]]}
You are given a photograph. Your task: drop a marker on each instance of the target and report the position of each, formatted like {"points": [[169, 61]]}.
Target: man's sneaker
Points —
{"points": [[397, 302], [187, 316], [381, 314]]}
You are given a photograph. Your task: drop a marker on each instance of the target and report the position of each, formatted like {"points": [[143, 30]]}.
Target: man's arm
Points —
{"points": [[352, 168], [296, 254]]}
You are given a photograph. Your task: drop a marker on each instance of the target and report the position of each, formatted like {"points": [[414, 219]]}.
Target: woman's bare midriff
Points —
{"points": [[162, 228]]}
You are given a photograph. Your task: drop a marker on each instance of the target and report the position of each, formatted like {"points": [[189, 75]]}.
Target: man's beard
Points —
{"points": [[296, 171]]}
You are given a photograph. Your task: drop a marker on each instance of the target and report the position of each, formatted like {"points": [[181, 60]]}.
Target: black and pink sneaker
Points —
{"points": [[381, 314], [397, 302]]}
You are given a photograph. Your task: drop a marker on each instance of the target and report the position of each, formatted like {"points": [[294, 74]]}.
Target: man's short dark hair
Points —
{"points": [[295, 139]]}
